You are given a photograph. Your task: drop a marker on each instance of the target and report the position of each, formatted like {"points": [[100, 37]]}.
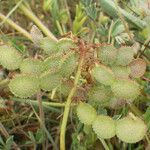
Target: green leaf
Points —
{"points": [[91, 11], [9, 143], [110, 8]]}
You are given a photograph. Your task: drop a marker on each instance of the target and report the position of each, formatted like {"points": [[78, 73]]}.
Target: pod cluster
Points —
{"points": [[115, 76], [59, 62], [129, 129]]}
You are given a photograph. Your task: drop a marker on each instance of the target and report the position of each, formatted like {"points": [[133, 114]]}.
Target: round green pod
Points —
{"points": [[104, 127], [10, 58], [49, 81], [107, 54], [121, 71], [124, 56], [125, 89], [68, 65], [86, 113], [102, 74], [31, 66], [64, 44], [24, 86], [48, 45], [130, 130], [99, 94]]}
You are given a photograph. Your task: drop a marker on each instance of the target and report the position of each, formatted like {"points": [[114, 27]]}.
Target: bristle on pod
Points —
{"points": [[107, 54], [86, 113], [24, 86], [10, 58], [102, 74], [130, 130], [104, 127]]}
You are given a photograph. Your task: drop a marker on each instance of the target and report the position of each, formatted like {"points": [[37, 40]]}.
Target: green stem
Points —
{"points": [[15, 26], [4, 83], [104, 144], [38, 22], [11, 12], [45, 104], [59, 27], [67, 106], [123, 21], [135, 110]]}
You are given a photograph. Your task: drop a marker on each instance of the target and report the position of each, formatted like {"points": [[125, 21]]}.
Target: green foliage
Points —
{"points": [[6, 145], [110, 9], [96, 66], [80, 19]]}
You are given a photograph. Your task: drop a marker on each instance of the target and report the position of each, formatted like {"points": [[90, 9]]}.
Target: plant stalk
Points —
{"points": [[38, 22], [15, 26], [67, 106]]}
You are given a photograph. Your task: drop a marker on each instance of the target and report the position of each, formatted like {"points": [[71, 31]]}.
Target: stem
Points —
{"points": [[4, 83], [11, 12], [135, 110], [15, 26], [28, 101], [41, 112], [67, 106], [38, 22], [104, 144], [68, 12], [59, 27], [123, 21]]}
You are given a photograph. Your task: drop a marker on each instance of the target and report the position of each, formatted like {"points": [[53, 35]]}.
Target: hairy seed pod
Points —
{"points": [[99, 94], [125, 89], [24, 86], [48, 45], [31, 66], [64, 44], [86, 113], [10, 58], [102, 74], [104, 127], [138, 68], [107, 54], [130, 130], [124, 56], [49, 81], [68, 65], [121, 71], [66, 87], [52, 64]]}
